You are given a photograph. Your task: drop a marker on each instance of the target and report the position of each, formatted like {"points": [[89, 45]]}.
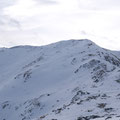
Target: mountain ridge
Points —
{"points": [[75, 80]]}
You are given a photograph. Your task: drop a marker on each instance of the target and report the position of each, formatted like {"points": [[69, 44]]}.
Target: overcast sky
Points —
{"points": [[40, 22]]}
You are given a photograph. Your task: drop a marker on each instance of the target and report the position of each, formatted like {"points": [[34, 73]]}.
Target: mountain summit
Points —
{"points": [[68, 80]]}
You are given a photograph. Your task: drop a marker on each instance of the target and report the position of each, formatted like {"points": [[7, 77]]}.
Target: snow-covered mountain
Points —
{"points": [[68, 80]]}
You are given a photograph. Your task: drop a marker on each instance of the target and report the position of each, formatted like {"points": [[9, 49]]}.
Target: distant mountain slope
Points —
{"points": [[68, 80]]}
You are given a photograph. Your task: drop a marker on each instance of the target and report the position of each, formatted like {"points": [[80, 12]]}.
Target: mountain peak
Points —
{"points": [[67, 80]]}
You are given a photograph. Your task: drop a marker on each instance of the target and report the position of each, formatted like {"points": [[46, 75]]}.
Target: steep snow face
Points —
{"points": [[68, 80]]}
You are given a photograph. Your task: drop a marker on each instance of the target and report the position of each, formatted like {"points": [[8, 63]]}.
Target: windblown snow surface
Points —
{"points": [[68, 80]]}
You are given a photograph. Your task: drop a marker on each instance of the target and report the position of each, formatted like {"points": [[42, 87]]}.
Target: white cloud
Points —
{"points": [[49, 2], [39, 22], [99, 4]]}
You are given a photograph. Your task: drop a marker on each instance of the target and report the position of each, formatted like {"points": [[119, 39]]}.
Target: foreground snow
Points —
{"points": [[68, 80]]}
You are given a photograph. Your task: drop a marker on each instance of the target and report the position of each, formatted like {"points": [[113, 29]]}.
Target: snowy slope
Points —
{"points": [[68, 80]]}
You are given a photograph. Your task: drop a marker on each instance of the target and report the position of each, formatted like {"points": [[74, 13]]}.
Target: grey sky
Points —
{"points": [[46, 2], [39, 22]]}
